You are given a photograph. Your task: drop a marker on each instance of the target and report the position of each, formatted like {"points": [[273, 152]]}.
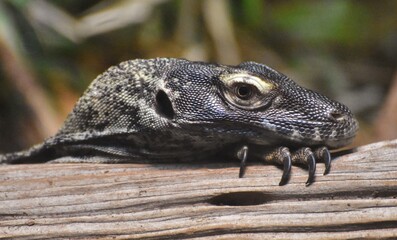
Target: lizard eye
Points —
{"points": [[246, 91]]}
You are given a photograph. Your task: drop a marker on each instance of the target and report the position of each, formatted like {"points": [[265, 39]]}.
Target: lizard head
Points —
{"points": [[258, 104]]}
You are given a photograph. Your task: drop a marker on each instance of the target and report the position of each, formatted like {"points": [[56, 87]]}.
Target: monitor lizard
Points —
{"points": [[167, 110]]}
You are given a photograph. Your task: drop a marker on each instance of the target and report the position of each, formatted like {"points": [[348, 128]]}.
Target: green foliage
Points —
{"points": [[323, 22], [253, 11]]}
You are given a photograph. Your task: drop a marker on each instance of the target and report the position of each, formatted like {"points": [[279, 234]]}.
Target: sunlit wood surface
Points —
{"points": [[358, 199]]}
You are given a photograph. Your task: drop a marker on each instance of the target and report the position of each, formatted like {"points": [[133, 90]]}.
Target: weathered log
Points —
{"points": [[357, 199]]}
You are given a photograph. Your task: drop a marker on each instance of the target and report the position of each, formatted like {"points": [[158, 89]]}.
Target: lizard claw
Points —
{"points": [[287, 163], [311, 162], [242, 156], [324, 155], [280, 156], [306, 156]]}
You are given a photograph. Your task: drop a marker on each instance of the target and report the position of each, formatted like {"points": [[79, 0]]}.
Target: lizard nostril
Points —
{"points": [[337, 116]]}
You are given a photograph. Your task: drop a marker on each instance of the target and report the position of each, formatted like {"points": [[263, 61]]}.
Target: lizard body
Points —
{"points": [[176, 110]]}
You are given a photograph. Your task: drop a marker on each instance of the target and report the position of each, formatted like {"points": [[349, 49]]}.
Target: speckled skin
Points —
{"points": [[123, 118]]}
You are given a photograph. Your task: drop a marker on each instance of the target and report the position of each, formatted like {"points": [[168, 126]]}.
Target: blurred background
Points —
{"points": [[50, 51]]}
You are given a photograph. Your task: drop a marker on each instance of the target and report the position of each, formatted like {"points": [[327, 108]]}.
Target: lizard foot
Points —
{"points": [[283, 156], [304, 156]]}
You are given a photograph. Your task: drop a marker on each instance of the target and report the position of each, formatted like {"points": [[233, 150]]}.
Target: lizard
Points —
{"points": [[168, 109]]}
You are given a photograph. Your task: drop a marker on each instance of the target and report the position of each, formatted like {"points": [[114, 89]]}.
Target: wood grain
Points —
{"points": [[358, 199]]}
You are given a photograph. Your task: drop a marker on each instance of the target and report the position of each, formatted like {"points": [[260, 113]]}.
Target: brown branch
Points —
{"points": [[358, 199], [219, 24], [23, 81], [386, 123]]}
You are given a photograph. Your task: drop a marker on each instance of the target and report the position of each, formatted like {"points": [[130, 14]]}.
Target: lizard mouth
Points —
{"points": [[336, 135], [332, 134], [346, 137]]}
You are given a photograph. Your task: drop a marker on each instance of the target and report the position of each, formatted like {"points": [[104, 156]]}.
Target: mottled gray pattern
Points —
{"points": [[172, 109]]}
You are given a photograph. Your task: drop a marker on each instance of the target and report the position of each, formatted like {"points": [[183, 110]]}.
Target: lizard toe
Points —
{"points": [[306, 157], [280, 156]]}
